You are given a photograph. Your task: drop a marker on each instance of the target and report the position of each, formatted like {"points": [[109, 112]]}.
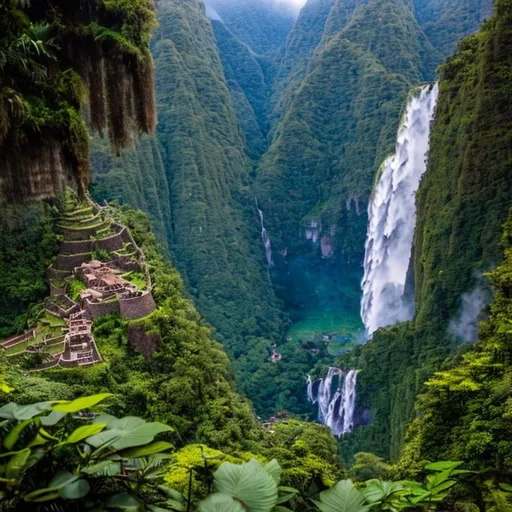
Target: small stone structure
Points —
{"points": [[276, 356]]}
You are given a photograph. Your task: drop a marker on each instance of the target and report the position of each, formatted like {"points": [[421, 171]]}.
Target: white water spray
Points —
{"points": [[392, 219], [265, 238], [336, 410]]}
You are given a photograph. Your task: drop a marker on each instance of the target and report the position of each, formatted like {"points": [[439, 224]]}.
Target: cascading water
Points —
{"points": [[265, 238], [336, 410], [392, 218]]}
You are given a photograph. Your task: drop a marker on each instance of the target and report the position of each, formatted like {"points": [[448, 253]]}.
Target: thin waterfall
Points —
{"points": [[265, 238], [392, 218], [336, 403]]}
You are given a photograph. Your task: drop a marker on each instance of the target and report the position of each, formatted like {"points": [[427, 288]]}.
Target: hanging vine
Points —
{"points": [[63, 61]]}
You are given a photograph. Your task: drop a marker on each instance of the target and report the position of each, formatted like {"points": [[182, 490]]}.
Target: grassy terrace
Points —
{"points": [[136, 278]]}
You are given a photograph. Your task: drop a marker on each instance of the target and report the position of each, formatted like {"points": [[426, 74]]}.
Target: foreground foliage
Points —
{"points": [[59, 456], [105, 462]]}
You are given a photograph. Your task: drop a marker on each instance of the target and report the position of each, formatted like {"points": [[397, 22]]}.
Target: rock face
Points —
{"points": [[143, 342]]}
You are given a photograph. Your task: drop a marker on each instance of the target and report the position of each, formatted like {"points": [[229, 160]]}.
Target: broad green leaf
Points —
{"points": [[52, 419], [443, 486], [285, 494], [12, 411], [281, 509], [123, 501], [38, 440], [103, 468], [144, 451], [82, 433], [249, 483], [378, 490], [16, 464], [443, 465], [274, 470], [14, 434], [506, 487], [127, 433], [220, 502], [80, 404], [61, 479], [343, 497], [41, 495], [75, 490]]}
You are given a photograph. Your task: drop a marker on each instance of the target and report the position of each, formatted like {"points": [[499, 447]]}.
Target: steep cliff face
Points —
{"points": [[462, 204], [464, 198], [446, 22], [248, 87], [55, 58], [206, 169], [340, 122], [262, 24], [137, 177]]}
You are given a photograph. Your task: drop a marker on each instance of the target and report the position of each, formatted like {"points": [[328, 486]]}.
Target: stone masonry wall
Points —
{"points": [[137, 307], [69, 262], [76, 247], [102, 308], [111, 243]]}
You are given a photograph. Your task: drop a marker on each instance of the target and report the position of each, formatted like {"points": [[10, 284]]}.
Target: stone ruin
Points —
{"points": [[85, 230]]}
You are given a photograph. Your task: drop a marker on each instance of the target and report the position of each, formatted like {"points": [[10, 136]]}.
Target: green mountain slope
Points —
{"points": [[247, 86], [446, 22], [466, 411], [326, 149], [262, 24], [137, 177], [292, 59], [340, 124], [462, 202]]}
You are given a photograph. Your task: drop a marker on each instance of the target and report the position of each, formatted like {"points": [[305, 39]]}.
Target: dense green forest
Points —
{"points": [[221, 158], [463, 202], [224, 97]]}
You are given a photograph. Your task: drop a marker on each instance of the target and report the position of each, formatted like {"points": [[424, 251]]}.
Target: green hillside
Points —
{"points": [[463, 202], [247, 86]]}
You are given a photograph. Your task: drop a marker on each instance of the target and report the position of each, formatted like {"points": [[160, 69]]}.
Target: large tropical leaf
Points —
{"points": [[126, 433], [377, 490], [343, 497], [144, 451], [61, 479], [17, 464], [103, 468], [14, 434], [443, 465], [274, 470], [52, 419], [220, 502], [82, 433], [123, 501], [80, 404], [75, 490], [12, 411], [249, 483]]}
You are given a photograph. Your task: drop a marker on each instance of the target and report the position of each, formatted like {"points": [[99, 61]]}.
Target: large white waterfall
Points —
{"points": [[265, 238], [392, 218], [336, 400]]}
